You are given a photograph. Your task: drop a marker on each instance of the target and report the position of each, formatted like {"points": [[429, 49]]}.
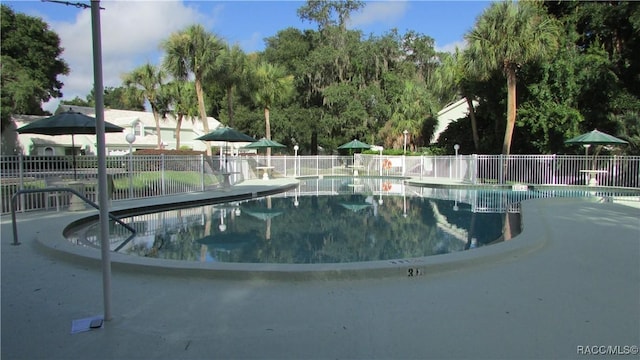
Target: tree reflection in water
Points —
{"points": [[306, 227]]}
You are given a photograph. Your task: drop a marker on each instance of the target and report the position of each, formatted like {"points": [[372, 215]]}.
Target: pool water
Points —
{"points": [[326, 221]]}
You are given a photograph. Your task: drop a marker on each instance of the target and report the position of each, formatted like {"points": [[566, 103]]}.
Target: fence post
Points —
{"points": [[284, 168], [474, 169], [555, 170], [202, 172], [162, 173], [404, 163], [21, 177], [21, 170], [614, 175], [435, 166], [501, 166], [130, 174]]}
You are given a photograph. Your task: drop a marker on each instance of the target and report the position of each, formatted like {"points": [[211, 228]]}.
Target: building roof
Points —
{"points": [[452, 112], [124, 118], [128, 118]]}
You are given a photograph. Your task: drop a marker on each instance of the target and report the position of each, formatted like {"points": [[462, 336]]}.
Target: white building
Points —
{"points": [[140, 123], [450, 113]]}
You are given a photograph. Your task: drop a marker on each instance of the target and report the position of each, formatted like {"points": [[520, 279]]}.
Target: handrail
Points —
{"points": [[60, 189]]}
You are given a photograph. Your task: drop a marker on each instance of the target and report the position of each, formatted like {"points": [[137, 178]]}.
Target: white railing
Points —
{"points": [[618, 171], [481, 200], [142, 176]]}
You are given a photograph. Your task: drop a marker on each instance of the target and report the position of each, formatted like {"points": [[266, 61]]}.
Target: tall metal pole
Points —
{"points": [[103, 199], [130, 171], [456, 147], [381, 149], [405, 141], [295, 160], [131, 137], [404, 153]]}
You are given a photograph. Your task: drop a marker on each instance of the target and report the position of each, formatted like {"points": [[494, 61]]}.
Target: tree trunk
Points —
{"points": [[230, 105], [511, 119], [472, 231], [267, 234], [156, 117], [511, 110], [202, 111], [207, 231], [178, 126], [474, 124], [314, 142]]}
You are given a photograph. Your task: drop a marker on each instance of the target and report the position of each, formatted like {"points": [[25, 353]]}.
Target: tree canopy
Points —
{"points": [[193, 51], [507, 36], [145, 83], [31, 64], [114, 98], [570, 67], [590, 82]]}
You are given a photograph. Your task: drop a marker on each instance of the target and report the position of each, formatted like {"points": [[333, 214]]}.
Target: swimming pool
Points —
{"points": [[329, 220]]}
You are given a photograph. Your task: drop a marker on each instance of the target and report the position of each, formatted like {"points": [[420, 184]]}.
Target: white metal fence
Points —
{"points": [[481, 200], [141, 176]]}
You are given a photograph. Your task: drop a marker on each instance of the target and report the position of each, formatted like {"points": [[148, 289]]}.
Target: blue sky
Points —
{"points": [[132, 30]]}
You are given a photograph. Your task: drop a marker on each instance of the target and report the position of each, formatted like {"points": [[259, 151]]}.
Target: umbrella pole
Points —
{"points": [[586, 160], [595, 156], [221, 159], [226, 163]]}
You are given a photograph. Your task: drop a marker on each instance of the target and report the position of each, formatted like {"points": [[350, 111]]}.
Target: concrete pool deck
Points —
{"points": [[577, 286]]}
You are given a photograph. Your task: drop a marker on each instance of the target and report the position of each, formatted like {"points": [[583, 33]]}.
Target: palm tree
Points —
{"points": [[508, 35], [145, 82], [181, 97], [192, 51], [413, 106], [271, 85], [231, 67]]}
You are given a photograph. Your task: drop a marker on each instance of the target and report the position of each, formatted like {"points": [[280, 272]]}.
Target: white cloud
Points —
{"points": [[387, 12], [451, 47], [253, 43], [131, 35], [215, 13]]}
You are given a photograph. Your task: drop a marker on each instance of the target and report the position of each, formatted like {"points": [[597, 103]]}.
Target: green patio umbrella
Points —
{"points": [[227, 135], [355, 145], [262, 213], [67, 123], [595, 137], [265, 214], [355, 207], [264, 143]]}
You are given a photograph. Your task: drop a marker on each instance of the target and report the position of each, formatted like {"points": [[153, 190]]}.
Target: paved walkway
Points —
{"points": [[570, 279]]}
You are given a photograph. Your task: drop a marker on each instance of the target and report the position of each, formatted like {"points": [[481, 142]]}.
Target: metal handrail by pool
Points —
{"points": [[60, 189]]}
